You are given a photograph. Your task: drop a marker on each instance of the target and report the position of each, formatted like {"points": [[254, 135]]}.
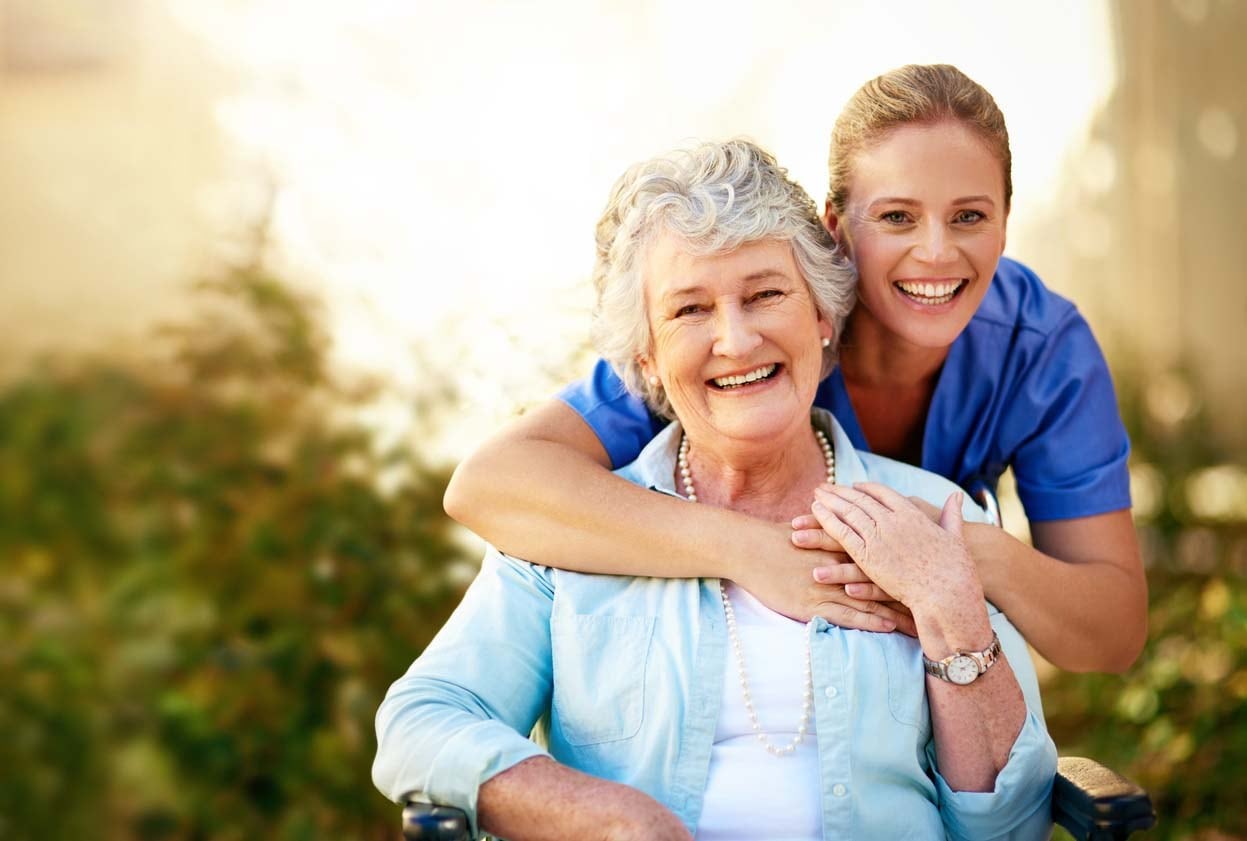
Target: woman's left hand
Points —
{"points": [[896, 544]]}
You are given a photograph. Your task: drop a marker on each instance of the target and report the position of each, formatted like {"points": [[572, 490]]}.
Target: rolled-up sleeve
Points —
{"points": [[459, 715], [1020, 805]]}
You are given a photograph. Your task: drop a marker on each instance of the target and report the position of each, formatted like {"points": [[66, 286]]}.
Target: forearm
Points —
{"points": [[541, 799], [550, 504], [1084, 606], [976, 725]]}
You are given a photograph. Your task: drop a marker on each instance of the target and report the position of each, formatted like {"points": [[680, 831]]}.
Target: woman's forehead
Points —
{"points": [[673, 265], [945, 157]]}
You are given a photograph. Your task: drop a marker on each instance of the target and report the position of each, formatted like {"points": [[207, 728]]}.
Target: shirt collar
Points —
{"points": [[654, 468]]}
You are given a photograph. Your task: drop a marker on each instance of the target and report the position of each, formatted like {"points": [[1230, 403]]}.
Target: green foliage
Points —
{"points": [[210, 575], [210, 572], [1177, 721]]}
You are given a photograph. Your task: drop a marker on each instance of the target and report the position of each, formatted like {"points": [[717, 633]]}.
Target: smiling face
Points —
{"points": [[925, 224], [736, 340]]}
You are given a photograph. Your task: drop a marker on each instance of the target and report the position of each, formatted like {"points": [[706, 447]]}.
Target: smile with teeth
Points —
{"points": [[930, 293], [737, 380]]}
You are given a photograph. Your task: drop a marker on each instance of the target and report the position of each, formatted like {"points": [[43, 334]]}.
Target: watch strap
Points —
{"points": [[985, 660]]}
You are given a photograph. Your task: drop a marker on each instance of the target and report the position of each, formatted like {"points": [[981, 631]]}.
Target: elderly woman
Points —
{"points": [[678, 706]]}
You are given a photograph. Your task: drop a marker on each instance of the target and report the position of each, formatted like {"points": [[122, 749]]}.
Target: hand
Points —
{"points": [[808, 533], [785, 583], [892, 540]]}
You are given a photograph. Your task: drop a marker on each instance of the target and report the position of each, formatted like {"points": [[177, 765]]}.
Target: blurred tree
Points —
{"points": [[1177, 721], [210, 574]]}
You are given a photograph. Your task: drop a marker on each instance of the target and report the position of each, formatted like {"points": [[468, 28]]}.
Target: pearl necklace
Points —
{"points": [[807, 695]]}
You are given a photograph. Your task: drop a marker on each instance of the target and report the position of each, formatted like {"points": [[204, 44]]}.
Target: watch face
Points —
{"points": [[962, 669]]}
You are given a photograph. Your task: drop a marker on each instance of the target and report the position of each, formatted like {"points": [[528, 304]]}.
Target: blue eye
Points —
{"points": [[969, 217], [895, 217]]}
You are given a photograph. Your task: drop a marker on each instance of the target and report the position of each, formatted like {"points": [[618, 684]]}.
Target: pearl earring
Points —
{"points": [[653, 380], [826, 341]]}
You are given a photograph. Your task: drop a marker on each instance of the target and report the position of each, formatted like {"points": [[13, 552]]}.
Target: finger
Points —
{"points": [[906, 625], [847, 504], [849, 573], [840, 530], [847, 616], [867, 591], [820, 572], [950, 517], [816, 538], [805, 521], [860, 498], [926, 508], [867, 615], [904, 619], [884, 495]]}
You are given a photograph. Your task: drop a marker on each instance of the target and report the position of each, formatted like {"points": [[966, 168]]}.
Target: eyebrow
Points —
{"points": [[914, 202], [752, 277]]}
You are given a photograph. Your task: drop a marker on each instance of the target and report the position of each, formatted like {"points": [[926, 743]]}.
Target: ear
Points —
{"points": [[647, 366], [830, 220], [832, 223], [825, 331]]}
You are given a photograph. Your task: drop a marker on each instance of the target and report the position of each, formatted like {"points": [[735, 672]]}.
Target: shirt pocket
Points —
{"points": [[599, 676], [907, 682]]}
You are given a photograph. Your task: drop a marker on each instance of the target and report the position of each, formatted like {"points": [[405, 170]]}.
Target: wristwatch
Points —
{"points": [[964, 667]]}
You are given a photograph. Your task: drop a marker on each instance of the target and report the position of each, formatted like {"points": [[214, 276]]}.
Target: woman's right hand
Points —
{"points": [[787, 583]]}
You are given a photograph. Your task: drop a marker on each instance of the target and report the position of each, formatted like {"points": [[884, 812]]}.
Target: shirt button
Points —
{"points": [[831, 692], [839, 790]]}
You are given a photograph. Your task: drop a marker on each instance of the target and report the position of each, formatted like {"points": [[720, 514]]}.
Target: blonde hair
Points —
{"points": [[913, 94], [716, 197]]}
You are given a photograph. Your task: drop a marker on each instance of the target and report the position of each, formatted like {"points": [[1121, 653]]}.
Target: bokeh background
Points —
{"points": [[268, 268]]}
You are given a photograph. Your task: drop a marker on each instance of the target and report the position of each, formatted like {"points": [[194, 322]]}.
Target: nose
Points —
{"points": [[935, 245], [735, 334]]}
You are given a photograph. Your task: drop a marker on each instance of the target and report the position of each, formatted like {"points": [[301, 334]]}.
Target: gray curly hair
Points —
{"points": [[717, 197]]}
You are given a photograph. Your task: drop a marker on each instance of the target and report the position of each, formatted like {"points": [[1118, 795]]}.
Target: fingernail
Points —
{"points": [[855, 589], [819, 575]]}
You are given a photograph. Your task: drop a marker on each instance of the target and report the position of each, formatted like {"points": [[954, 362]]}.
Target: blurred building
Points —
{"points": [[1150, 236], [108, 153]]}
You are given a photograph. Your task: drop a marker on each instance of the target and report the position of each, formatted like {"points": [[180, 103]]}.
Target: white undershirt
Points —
{"points": [[751, 794]]}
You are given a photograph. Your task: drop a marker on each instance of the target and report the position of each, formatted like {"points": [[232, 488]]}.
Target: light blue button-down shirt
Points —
{"points": [[625, 676]]}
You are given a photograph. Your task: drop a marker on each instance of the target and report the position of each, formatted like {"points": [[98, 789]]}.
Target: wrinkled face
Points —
{"points": [[736, 340], [925, 224]]}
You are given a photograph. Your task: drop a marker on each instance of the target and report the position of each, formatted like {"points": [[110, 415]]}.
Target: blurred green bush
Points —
{"points": [[1177, 721], [210, 575], [210, 571]]}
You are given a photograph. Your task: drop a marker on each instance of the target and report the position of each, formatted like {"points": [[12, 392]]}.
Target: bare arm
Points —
{"points": [[541, 489], [540, 799], [1079, 596]]}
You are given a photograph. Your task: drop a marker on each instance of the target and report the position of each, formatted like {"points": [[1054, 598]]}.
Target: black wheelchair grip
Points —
{"points": [[1094, 802], [427, 822]]}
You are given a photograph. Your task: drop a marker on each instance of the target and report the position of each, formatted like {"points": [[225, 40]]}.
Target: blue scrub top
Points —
{"points": [[1025, 385]]}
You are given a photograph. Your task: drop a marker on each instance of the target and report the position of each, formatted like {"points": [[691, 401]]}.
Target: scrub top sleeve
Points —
{"points": [[1071, 461], [620, 419]]}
